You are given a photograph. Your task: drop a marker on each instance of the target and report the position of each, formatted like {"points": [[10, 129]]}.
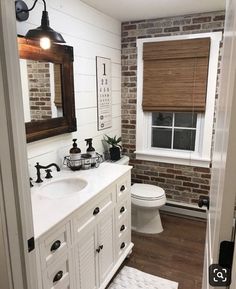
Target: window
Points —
{"points": [[174, 130], [177, 132]]}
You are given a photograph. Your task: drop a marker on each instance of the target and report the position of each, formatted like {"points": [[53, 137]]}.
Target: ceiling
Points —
{"points": [[127, 10]]}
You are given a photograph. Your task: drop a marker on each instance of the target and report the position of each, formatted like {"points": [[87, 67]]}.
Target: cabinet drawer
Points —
{"points": [[122, 210], [122, 227], [122, 188], [94, 211], [54, 244], [58, 275], [123, 243]]}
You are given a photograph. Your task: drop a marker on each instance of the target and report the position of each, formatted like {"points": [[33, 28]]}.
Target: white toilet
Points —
{"points": [[146, 201]]}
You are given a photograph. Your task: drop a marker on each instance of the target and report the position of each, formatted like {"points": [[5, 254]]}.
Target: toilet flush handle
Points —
{"points": [[204, 201]]}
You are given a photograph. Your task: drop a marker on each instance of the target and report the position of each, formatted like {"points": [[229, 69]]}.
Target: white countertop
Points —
{"points": [[48, 212]]}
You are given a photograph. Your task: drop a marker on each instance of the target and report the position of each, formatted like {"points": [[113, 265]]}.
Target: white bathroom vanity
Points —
{"points": [[82, 236]]}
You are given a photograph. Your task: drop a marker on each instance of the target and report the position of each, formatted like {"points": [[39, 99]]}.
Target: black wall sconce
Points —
{"points": [[44, 33]]}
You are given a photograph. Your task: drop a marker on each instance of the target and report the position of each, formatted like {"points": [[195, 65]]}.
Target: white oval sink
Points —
{"points": [[62, 188]]}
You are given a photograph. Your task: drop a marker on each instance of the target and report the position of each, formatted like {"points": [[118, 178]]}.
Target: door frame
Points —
{"points": [[16, 220], [223, 182]]}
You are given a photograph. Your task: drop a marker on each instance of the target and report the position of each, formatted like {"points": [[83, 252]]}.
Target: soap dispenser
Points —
{"points": [[91, 151], [75, 155]]}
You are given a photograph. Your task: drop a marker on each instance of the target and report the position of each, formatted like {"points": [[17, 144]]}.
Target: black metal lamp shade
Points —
{"points": [[44, 30], [38, 33]]}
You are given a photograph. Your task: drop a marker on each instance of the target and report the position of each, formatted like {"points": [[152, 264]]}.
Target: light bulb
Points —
{"points": [[45, 43]]}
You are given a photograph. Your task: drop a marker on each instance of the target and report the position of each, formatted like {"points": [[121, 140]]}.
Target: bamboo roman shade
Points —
{"points": [[175, 75]]}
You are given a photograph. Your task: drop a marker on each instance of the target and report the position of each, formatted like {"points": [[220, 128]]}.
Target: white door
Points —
{"points": [[15, 202], [223, 183]]}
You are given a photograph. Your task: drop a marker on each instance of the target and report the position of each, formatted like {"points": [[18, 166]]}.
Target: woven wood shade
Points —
{"points": [[175, 75]]}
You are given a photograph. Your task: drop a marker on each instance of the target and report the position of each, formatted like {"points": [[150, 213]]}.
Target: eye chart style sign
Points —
{"points": [[104, 97]]}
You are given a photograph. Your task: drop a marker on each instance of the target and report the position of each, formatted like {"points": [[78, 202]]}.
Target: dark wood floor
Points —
{"points": [[175, 254]]}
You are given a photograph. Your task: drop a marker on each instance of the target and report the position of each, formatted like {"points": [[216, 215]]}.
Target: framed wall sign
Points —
{"points": [[104, 97]]}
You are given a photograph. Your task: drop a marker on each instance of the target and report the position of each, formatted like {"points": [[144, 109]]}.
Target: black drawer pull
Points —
{"points": [[101, 247], [122, 209], [55, 245], [96, 211], [58, 276], [122, 228], [122, 245], [122, 188]]}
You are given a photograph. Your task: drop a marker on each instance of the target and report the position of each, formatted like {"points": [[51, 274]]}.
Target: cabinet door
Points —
{"points": [[106, 242], [86, 260]]}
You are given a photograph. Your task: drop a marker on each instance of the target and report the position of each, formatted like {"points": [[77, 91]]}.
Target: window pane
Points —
{"points": [[161, 137], [184, 139], [185, 119], [162, 118]]}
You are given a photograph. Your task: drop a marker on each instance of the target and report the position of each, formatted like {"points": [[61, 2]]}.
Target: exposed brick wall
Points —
{"points": [[39, 90], [182, 183]]}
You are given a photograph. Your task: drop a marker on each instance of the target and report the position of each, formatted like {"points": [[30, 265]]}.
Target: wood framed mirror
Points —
{"points": [[47, 89]]}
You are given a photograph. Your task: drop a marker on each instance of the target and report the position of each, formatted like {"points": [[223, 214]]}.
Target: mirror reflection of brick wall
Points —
{"points": [[39, 90], [57, 83]]}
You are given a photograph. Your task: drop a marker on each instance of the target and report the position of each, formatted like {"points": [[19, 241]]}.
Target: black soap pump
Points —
{"points": [[91, 151], [75, 155]]}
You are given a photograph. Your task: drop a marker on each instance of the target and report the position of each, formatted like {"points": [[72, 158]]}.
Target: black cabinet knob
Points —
{"points": [[122, 245], [204, 201], [96, 211], [122, 228], [101, 247], [122, 209], [122, 188], [58, 276], [55, 245]]}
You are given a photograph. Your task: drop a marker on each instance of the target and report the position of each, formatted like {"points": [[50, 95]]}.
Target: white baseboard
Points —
{"points": [[184, 209]]}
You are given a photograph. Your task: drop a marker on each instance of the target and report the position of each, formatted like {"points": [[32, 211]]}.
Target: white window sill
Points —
{"points": [[179, 158]]}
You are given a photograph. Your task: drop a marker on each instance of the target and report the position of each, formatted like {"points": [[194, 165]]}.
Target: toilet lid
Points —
{"points": [[147, 192]]}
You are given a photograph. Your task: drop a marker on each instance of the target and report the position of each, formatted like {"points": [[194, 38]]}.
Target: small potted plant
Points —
{"points": [[115, 147]]}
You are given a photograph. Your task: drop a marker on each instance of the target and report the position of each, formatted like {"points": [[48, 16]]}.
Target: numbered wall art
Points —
{"points": [[104, 97]]}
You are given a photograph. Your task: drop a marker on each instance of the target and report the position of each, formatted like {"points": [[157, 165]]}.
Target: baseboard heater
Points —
{"points": [[184, 209]]}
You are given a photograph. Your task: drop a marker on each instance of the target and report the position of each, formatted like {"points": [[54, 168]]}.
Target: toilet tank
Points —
{"points": [[123, 161]]}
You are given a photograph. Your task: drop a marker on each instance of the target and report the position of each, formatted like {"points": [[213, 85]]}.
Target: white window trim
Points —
{"points": [[201, 157]]}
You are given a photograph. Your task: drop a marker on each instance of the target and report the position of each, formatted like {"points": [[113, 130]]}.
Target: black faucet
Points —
{"points": [[38, 167]]}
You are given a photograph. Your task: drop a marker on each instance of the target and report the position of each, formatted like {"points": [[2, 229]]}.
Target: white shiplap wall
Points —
{"points": [[92, 34]]}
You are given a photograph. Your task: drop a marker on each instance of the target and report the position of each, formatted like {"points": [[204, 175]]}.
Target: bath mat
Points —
{"points": [[130, 278]]}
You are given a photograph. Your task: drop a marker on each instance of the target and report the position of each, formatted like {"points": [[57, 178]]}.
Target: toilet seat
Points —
{"points": [[147, 192], [146, 199]]}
